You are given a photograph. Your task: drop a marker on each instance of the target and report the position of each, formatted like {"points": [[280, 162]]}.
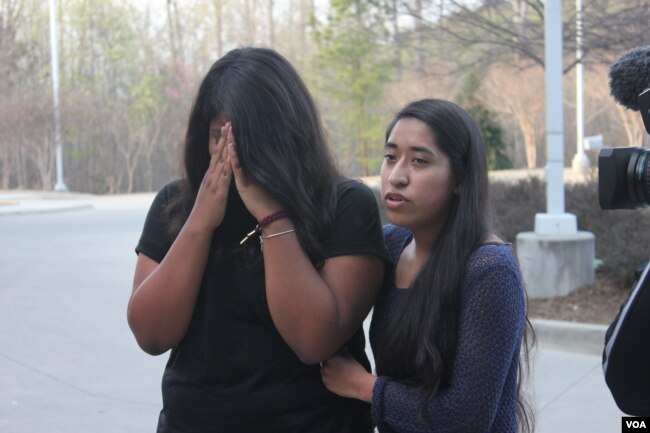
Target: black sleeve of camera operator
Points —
{"points": [[626, 357]]}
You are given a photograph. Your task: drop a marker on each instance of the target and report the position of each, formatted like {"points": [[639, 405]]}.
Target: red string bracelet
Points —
{"points": [[273, 217], [265, 222]]}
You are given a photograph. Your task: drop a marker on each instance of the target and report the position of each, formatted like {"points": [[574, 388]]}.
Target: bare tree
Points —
{"points": [[397, 37], [306, 13], [175, 32], [420, 37], [37, 138], [218, 7], [271, 23], [250, 26], [26, 140], [8, 143], [10, 21], [488, 28], [518, 96]]}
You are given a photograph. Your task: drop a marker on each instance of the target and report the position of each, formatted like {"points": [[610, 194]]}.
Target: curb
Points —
{"points": [[584, 338], [25, 210], [19, 202], [26, 203]]}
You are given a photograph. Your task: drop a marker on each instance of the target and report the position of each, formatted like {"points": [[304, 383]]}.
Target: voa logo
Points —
{"points": [[635, 424]]}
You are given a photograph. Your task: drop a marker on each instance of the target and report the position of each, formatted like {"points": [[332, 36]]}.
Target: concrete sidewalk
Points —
{"points": [[68, 383], [569, 390]]}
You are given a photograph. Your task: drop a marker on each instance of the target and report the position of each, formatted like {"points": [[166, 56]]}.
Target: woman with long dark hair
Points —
{"points": [[447, 333], [262, 262]]}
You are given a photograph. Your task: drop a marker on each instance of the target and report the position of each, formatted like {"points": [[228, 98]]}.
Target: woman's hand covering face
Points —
{"points": [[258, 202], [212, 197]]}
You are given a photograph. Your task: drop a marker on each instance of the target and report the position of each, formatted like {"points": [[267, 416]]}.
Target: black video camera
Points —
{"points": [[624, 173], [624, 178]]}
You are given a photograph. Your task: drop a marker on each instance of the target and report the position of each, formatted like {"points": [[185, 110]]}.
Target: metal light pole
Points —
{"points": [[555, 221], [556, 258], [60, 184], [580, 161]]}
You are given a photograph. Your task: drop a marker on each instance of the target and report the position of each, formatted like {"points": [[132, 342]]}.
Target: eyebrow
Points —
{"points": [[411, 148]]}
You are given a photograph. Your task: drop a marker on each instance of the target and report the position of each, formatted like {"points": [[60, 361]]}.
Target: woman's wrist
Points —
{"points": [[277, 222], [197, 225], [365, 387], [277, 226]]}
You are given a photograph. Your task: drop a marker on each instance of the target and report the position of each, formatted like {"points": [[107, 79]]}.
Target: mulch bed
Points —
{"points": [[598, 303]]}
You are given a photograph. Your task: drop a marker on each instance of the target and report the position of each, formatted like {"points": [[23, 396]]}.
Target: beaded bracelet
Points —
{"points": [[265, 222]]}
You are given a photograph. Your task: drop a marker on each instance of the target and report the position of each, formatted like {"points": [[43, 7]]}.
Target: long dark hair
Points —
{"points": [[280, 143], [421, 344]]}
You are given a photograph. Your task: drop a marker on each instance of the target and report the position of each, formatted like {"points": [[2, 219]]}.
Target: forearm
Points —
{"points": [[302, 306], [161, 305], [317, 311], [450, 410]]}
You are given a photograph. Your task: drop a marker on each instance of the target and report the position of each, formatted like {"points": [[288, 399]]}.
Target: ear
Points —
{"points": [[459, 189]]}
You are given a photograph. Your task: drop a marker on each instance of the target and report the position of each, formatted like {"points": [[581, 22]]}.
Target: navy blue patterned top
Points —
{"points": [[482, 394]]}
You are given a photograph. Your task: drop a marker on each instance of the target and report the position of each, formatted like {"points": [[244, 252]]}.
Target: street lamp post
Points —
{"points": [[556, 258], [580, 161], [60, 184]]}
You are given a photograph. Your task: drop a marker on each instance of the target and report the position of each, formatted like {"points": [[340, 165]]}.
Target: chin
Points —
{"points": [[397, 219]]}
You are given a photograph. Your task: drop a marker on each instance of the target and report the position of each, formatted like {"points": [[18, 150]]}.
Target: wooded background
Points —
{"points": [[129, 71]]}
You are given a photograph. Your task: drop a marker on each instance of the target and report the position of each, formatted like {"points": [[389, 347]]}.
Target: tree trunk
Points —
{"points": [[530, 144], [172, 35], [419, 31], [218, 6], [398, 40], [175, 32], [306, 11], [271, 26], [250, 27], [42, 157]]}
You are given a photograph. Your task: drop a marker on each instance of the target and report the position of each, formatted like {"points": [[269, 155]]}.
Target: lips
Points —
{"points": [[394, 200]]}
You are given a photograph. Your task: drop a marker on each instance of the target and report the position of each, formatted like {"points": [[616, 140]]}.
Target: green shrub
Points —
{"points": [[514, 205]]}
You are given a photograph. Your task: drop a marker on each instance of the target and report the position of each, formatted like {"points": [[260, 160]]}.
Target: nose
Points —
{"points": [[398, 176]]}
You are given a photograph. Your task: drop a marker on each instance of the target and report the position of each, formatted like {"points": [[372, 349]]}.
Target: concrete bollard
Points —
{"points": [[555, 265]]}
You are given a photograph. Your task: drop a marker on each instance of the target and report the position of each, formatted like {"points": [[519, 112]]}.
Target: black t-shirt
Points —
{"points": [[233, 372]]}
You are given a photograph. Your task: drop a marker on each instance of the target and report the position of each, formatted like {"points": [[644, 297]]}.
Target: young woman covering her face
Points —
{"points": [[248, 319], [447, 333]]}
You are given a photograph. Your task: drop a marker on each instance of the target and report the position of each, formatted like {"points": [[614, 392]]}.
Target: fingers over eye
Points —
{"points": [[214, 159], [229, 134], [227, 169], [223, 151], [232, 154]]}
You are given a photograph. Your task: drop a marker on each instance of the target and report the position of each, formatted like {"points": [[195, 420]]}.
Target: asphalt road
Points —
{"points": [[68, 361]]}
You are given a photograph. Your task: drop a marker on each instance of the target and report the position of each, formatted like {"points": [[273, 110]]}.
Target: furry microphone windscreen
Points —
{"points": [[629, 76]]}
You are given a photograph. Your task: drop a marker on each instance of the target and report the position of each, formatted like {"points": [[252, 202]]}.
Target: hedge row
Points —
{"points": [[622, 236]]}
